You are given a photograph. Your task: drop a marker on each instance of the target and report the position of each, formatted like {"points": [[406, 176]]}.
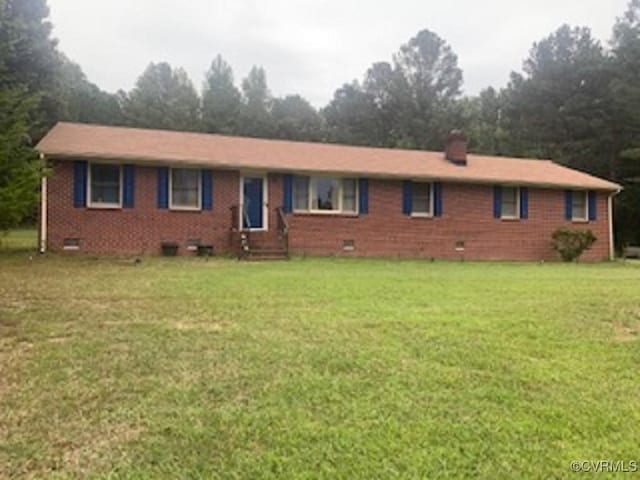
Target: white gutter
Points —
{"points": [[43, 209]]}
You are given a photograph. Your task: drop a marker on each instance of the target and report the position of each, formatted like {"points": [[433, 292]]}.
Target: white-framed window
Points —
{"points": [[579, 205], [321, 194], [185, 189], [421, 199], [510, 206], [104, 184]]}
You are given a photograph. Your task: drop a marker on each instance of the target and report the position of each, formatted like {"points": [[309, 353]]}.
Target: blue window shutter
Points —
{"points": [[163, 187], [407, 197], [287, 193], [128, 187], [524, 202], [79, 184], [207, 189], [363, 192], [497, 201], [593, 205], [568, 204], [437, 199]]}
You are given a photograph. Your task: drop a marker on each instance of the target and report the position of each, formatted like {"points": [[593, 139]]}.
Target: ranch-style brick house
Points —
{"points": [[130, 191]]}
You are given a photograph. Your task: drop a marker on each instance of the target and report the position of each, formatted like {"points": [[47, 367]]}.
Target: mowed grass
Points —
{"points": [[315, 368], [22, 240]]}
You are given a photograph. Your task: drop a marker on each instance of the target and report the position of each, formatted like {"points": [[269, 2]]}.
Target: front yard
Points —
{"points": [[314, 368]]}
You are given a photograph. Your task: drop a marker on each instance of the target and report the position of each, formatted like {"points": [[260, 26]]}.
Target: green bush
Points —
{"points": [[570, 244]]}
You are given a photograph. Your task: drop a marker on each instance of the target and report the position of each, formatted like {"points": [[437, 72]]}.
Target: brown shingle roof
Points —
{"points": [[160, 146]]}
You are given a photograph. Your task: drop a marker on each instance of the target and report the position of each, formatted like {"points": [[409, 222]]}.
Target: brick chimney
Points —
{"points": [[456, 147]]}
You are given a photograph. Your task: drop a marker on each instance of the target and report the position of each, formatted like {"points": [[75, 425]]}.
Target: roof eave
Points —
{"points": [[610, 187]]}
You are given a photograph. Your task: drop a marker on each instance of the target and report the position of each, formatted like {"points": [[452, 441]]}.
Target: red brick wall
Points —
{"points": [[467, 216], [384, 231], [138, 230]]}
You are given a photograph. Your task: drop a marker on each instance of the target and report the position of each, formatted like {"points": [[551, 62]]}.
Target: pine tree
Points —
{"points": [[221, 99], [27, 66], [163, 98]]}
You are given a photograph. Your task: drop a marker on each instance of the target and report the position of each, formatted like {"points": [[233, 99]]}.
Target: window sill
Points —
{"points": [[510, 219], [421, 215], [311, 213], [185, 209], [580, 220], [105, 206]]}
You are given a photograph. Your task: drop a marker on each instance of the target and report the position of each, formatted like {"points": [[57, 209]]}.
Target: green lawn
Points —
{"points": [[19, 240], [315, 368]]}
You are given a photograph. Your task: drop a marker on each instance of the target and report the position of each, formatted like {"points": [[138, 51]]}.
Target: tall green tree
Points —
{"points": [[30, 59], [561, 107], [351, 116], [221, 99], [410, 103], [20, 169], [433, 82], [27, 67], [625, 85], [163, 98], [294, 118], [482, 122], [626, 100], [387, 88], [81, 100], [29, 55], [255, 115]]}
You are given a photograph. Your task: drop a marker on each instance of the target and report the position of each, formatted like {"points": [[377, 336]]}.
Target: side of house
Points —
{"points": [[102, 205]]}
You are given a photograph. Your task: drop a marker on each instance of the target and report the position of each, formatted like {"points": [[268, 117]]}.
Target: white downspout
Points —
{"points": [[612, 252], [43, 209]]}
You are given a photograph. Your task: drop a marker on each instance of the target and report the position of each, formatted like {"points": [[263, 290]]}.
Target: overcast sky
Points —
{"points": [[310, 47]]}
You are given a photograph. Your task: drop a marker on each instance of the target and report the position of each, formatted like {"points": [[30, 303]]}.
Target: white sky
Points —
{"points": [[310, 47]]}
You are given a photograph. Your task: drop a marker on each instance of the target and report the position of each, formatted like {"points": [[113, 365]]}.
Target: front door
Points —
{"points": [[253, 203]]}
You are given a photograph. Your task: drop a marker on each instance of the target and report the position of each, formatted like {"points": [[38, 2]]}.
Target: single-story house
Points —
{"points": [[129, 191]]}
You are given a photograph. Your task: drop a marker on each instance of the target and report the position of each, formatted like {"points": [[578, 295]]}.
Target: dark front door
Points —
{"points": [[253, 202]]}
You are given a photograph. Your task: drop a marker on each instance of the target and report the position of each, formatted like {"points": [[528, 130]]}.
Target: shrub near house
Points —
{"points": [[570, 244], [123, 190]]}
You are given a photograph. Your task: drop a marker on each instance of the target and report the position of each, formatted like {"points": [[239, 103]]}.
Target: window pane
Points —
{"points": [[349, 195], [324, 193], [421, 201], [510, 202], [185, 187], [185, 198], [579, 205], [300, 193], [105, 184]]}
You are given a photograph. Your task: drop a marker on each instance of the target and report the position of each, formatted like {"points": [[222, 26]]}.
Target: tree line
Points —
{"points": [[576, 101]]}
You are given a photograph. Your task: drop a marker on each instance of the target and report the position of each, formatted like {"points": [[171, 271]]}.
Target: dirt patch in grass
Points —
{"points": [[98, 448], [205, 326], [58, 339], [627, 329], [8, 329], [13, 354], [626, 333]]}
